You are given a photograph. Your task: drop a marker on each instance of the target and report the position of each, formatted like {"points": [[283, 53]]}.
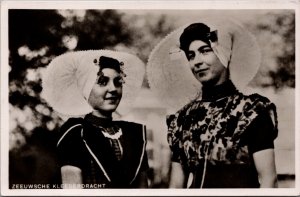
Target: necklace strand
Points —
{"points": [[114, 136]]}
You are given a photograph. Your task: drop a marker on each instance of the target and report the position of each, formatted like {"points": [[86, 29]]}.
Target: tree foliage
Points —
{"points": [[285, 74], [276, 35]]}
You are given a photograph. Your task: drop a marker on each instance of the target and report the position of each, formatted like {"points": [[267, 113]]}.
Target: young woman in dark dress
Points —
{"points": [[222, 138], [95, 151]]}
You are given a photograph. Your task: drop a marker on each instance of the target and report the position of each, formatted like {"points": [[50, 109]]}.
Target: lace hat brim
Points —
{"points": [[169, 74]]}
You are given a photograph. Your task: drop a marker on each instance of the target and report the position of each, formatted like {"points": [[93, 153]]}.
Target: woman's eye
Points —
{"points": [[191, 56], [102, 81], [205, 51], [118, 82]]}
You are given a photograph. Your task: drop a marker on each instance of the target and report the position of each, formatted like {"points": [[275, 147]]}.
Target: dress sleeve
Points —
{"points": [[69, 145], [263, 131]]}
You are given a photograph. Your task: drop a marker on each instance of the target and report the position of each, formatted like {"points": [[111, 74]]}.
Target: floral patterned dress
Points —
{"points": [[214, 138]]}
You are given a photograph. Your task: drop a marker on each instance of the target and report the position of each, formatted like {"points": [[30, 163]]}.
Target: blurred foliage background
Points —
{"points": [[37, 36]]}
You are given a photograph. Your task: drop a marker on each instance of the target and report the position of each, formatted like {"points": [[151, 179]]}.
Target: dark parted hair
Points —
{"points": [[195, 31], [108, 62]]}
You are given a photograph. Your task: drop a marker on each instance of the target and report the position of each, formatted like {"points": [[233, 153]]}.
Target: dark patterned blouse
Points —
{"points": [[83, 143], [214, 138]]}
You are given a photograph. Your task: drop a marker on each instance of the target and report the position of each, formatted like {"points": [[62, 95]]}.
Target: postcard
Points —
{"points": [[153, 98]]}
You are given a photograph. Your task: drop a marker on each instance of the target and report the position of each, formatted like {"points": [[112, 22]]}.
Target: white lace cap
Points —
{"points": [[69, 79]]}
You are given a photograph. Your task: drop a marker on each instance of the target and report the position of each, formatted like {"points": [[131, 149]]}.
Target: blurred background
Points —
{"points": [[37, 36]]}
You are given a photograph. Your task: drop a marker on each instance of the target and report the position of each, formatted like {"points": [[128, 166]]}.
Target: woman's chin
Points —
{"points": [[111, 108], [203, 80]]}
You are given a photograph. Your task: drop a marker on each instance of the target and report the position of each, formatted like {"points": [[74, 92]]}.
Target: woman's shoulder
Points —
{"points": [[182, 112], [72, 123], [259, 102], [260, 105], [258, 97], [70, 130]]}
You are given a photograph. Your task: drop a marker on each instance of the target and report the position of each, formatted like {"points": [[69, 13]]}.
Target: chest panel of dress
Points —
{"points": [[213, 130]]}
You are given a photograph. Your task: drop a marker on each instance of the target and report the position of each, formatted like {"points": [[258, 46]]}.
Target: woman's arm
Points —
{"points": [[264, 161], [177, 176], [143, 180], [71, 175]]}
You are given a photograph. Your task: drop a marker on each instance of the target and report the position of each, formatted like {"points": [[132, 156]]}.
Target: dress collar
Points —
{"points": [[220, 91], [98, 121]]}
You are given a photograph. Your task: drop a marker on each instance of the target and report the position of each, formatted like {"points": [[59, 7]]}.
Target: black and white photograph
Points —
{"points": [[157, 98]]}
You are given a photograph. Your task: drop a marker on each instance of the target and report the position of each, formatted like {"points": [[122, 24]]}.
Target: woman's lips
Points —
{"points": [[112, 98], [201, 70]]}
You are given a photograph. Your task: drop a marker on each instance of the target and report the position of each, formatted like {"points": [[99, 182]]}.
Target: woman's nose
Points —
{"points": [[111, 87], [198, 61]]}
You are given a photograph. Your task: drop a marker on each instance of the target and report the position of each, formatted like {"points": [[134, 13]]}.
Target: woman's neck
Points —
{"points": [[99, 120], [212, 93], [101, 114], [223, 78]]}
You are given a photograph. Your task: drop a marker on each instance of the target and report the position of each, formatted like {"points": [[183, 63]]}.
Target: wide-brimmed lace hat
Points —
{"points": [[168, 71], [69, 78]]}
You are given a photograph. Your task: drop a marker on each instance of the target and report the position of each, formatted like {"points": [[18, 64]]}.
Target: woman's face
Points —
{"points": [[106, 93], [205, 65]]}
